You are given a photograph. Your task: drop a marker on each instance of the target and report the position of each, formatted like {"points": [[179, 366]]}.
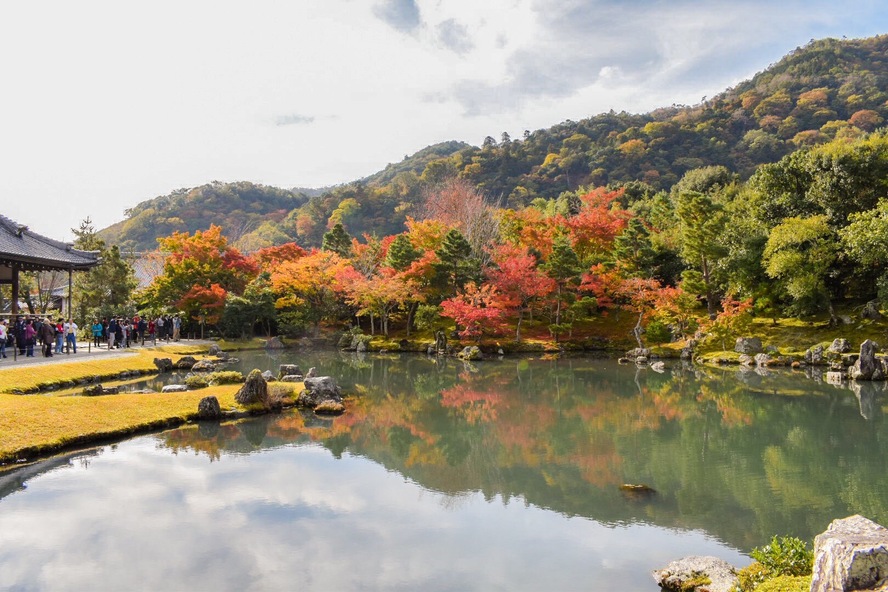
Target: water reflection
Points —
{"points": [[449, 476]]}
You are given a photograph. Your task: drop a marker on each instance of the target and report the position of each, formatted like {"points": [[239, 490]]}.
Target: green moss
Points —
{"points": [[785, 584]]}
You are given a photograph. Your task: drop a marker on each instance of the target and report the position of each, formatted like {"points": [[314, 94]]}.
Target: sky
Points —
{"points": [[105, 104]]}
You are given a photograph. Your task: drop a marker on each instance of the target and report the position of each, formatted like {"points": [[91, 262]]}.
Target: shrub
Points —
{"points": [[783, 563], [658, 332], [225, 377], [785, 556], [196, 381]]}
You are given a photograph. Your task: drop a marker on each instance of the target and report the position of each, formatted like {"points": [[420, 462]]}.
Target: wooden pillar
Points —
{"points": [[15, 289], [70, 292]]}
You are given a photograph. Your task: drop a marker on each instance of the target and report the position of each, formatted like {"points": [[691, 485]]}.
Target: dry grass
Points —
{"points": [[40, 423]]}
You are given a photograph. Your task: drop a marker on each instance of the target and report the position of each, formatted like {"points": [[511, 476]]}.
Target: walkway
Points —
{"points": [[85, 352]]}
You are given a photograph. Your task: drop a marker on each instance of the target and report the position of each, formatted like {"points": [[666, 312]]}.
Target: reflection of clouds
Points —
{"points": [[295, 517]]}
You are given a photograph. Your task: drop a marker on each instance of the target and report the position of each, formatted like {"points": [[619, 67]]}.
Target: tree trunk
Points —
{"points": [[638, 330]]}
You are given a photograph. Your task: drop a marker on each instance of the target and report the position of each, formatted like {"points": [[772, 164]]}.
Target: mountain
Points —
{"points": [[240, 208], [829, 88]]}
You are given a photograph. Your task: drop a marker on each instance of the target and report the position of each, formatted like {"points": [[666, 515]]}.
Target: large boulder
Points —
{"points": [[205, 366], [317, 390], [288, 370], [163, 364], [748, 345], [274, 343], [208, 408], [763, 360], [186, 362], [470, 353], [697, 573], [254, 390], [174, 388], [840, 346], [215, 350], [814, 355], [852, 554], [867, 367]]}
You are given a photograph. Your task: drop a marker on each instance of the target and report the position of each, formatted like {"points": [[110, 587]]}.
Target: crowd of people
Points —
{"points": [[60, 336]]}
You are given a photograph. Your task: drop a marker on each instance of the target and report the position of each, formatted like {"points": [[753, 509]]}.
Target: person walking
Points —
{"points": [[97, 333], [177, 327], [60, 336], [71, 335], [30, 334], [4, 335], [47, 337]]}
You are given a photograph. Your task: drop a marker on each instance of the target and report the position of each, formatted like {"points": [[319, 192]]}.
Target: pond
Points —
{"points": [[503, 475]]}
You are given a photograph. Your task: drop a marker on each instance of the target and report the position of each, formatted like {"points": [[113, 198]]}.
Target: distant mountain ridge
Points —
{"points": [[828, 88]]}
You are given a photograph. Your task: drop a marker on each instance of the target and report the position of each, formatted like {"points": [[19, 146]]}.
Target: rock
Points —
{"points": [[641, 361], [312, 372], [748, 345], [254, 390], [852, 554], [93, 390], [500, 352], [795, 365], [658, 366], [361, 347], [268, 376], [111, 390], [638, 352], [746, 360], [772, 349], [430, 350], [204, 366], [208, 408], [840, 346], [223, 356], [164, 364], [288, 370], [174, 388], [292, 378], [871, 311], [682, 575], [330, 407], [763, 360], [186, 362], [687, 353], [274, 343], [470, 353], [867, 367], [814, 355], [623, 360], [215, 350], [317, 390]]}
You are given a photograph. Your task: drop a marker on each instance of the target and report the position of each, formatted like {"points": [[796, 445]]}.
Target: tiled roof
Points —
{"points": [[33, 251]]}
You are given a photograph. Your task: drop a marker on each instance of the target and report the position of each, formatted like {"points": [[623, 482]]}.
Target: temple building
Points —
{"points": [[24, 250]]}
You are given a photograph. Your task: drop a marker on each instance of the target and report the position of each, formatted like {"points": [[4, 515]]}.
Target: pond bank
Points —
{"points": [[60, 418]]}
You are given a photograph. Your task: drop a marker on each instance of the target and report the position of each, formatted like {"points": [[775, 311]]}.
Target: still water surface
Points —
{"points": [[443, 476]]}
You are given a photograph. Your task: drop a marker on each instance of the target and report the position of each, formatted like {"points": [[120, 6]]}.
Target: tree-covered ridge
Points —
{"points": [[829, 89], [826, 90], [241, 208]]}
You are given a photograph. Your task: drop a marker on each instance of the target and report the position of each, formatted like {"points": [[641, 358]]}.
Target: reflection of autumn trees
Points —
{"points": [[734, 457]]}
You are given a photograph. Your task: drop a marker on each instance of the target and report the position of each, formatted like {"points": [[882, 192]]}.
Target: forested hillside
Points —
{"points": [[826, 90], [241, 208]]}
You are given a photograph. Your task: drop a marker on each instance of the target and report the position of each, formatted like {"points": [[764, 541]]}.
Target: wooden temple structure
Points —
{"points": [[24, 250]]}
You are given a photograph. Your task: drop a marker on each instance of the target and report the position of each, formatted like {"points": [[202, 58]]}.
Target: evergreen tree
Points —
{"points": [[456, 265], [338, 241], [702, 221], [563, 266], [107, 288], [401, 253]]}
